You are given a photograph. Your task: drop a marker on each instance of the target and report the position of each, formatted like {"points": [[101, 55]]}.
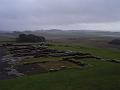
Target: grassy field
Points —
{"points": [[6, 39], [106, 53], [101, 75]]}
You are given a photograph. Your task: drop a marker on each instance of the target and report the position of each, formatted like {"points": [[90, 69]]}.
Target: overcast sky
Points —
{"points": [[61, 14]]}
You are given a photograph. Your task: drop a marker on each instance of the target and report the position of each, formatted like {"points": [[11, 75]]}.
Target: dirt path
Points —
{"points": [[3, 65]]}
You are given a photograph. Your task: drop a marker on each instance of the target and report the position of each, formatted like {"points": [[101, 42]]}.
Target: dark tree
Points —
{"points": [[30, 38], [115, 41]]}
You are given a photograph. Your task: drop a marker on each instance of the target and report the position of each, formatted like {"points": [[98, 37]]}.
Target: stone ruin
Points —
{"points": [[17, 52]]}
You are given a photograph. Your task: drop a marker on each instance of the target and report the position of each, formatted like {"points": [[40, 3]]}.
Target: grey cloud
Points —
{"points": [[23, 13]]}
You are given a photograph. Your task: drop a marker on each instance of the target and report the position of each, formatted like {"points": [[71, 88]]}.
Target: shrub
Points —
{"points": [[30, 38]]}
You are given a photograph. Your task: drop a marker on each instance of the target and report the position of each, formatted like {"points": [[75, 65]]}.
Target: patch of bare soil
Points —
{"points": [[59, 65], [32, 68], [44, 67]]}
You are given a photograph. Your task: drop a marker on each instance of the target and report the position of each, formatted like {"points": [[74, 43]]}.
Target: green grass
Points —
{"points": [[106, 53], [4, 39], [101, 76]]}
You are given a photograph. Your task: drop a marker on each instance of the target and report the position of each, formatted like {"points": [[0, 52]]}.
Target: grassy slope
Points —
{"points": [[6, 39], [107, 53], [101, 76]]}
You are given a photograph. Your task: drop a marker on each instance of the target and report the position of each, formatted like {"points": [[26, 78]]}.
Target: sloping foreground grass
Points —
{"points": [[101, 76]]}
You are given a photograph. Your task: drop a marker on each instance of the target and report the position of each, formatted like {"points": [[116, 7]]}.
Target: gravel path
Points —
{"points": [[3, 65]]}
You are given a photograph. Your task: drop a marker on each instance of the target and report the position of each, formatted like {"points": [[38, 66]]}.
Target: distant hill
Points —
{"points": [[56, 33]]}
